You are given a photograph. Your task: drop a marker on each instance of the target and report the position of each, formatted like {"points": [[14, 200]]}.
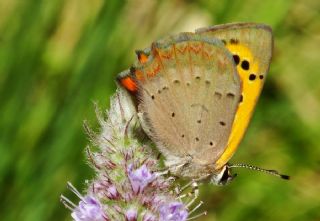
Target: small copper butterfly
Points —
{"points": [[196, 93]]}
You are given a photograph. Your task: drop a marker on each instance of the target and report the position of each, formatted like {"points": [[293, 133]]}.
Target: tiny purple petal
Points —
{"points": [[131, 215], [89, 209], [140, 178], [174, 211], [149, 217], [98, 188], [112, 192]]}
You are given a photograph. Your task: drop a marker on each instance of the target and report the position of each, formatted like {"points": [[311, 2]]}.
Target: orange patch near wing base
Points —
{"points": [[129, 84], [142, 57]]}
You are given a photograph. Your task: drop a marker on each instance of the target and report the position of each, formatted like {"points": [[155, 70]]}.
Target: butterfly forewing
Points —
{"points": [[251, 46], [189, 91]]}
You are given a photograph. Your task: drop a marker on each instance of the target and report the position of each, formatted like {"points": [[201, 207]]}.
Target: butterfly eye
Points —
{"points": [[227, 177]]}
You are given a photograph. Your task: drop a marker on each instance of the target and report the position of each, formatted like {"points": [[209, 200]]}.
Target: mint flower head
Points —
{"points": [[128, 185]]}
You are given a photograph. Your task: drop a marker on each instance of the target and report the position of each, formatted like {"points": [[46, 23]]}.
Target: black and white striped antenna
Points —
{"points": [[271, 172]]}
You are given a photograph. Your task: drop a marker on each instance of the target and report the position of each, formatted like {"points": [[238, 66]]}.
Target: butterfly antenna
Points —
{"points": [[271, 172]]}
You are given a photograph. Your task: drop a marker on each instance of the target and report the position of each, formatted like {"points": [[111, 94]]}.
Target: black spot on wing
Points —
{"points": [[245, 65], [236, 59], [252, 77]]}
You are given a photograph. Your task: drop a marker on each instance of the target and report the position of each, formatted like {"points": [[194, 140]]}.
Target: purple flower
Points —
{"points": [[89, 209], [131, 215], [174, 211], [140, 178]]}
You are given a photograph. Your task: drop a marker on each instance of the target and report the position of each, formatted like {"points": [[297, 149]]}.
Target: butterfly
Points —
{"points": [[196, 93]]}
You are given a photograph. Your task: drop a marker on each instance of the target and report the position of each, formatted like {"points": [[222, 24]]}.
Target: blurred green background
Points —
{"points": [[58, 56]]}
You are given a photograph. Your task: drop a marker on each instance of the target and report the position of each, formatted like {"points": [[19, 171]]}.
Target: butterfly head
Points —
{"points": [[223, 177]]}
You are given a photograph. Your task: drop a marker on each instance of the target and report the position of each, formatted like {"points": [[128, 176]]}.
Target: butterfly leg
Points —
{"points": [[192, 182], [194, 193], [162, 172], [167, 170]]}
